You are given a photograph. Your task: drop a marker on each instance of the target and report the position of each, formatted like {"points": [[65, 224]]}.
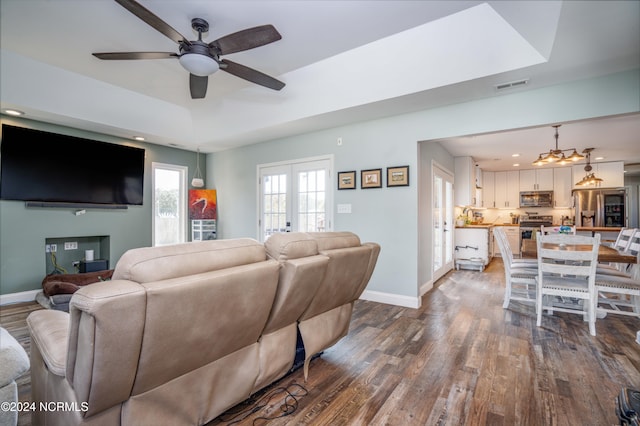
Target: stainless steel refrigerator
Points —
{"points": [[601, 207]]}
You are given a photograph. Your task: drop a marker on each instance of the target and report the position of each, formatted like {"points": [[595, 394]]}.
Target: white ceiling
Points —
{"points": [[342, 62]]}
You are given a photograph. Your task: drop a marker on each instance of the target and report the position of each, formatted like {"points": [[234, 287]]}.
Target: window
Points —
{"points": [[169, 183]]}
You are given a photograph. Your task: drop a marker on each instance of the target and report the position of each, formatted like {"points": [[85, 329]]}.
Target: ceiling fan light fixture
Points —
{"points": [[199, 64]]}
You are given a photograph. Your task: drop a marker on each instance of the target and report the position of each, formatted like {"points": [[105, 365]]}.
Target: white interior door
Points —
{"points": [[443, 223], [295, 196]]}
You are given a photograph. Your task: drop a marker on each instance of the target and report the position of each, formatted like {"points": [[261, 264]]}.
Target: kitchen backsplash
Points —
{"points": [[500, 216]]}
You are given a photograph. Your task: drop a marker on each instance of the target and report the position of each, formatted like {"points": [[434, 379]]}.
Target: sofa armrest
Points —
{"points": [[49, 330]]}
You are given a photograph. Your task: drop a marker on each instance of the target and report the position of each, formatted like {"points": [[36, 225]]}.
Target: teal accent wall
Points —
{"points": [[399, 219], [23, 230]]}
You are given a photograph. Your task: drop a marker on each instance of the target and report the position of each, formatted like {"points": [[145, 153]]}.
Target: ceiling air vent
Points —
{"points": [[512, 84]]}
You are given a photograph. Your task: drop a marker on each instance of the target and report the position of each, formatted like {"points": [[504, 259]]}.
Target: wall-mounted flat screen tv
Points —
{"points": [[50, 168]]}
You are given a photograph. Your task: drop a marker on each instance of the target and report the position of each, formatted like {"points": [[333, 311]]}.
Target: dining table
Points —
{"points": [[605, 253]]}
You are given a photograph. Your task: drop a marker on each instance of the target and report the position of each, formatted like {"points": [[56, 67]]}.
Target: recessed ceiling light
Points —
{"points": [[515, 155], [599, 158], [516, 165], [138, 138], [13, 112]]}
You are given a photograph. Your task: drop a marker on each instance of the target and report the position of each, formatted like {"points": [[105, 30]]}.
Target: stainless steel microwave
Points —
{"points": [[536, 199]]}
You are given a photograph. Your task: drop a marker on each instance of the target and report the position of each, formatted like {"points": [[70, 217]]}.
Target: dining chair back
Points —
{"points": [[624, 238], [621, 294], [566, 273], [520, 274], [622, 244]]}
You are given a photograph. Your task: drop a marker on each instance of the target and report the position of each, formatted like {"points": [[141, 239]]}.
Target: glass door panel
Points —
{"points": [[275, 205], [295, 197], [442, 212], [311, 193]]}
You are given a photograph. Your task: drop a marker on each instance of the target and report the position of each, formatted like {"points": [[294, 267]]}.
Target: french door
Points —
{"points": [[443, 222], [295, 196]]}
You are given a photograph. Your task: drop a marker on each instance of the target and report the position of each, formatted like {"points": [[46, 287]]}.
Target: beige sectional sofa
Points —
{"points": [[184, 332]]}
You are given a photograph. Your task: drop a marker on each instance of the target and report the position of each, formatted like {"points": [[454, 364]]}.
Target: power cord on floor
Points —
{"points": [[288, 406]]}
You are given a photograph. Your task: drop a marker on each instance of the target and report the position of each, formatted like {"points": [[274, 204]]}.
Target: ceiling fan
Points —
{"points": [[203, 59]]}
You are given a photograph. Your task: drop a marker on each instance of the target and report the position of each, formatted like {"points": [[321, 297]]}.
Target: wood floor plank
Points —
{"points": [[458, 359]]}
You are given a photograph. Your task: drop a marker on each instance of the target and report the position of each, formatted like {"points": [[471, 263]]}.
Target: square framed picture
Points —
{"points": [[371, 178], [347, 180], [398, 176]]}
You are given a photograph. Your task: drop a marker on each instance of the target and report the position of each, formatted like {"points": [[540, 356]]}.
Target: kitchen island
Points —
{"points": [[473, 246]]}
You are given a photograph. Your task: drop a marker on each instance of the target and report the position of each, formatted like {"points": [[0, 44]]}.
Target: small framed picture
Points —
{"points": [[398, 176], [347, 180], [371, 178]]}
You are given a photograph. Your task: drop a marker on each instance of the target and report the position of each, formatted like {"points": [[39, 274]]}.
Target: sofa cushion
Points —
{"points": [[149, 264], [334, 240], [291, 245], [201, 318]]}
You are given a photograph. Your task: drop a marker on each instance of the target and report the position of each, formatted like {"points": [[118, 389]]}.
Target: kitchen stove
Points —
{"points": [[531, 223], [535, 221]]}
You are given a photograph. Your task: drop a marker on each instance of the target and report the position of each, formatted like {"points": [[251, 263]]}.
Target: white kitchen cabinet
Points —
{"points": [[507, 190], [562, 187], [479, 202], [513, 236], [473, 247], [466, 191], [536, 180], [488, 189], [611, 173]]}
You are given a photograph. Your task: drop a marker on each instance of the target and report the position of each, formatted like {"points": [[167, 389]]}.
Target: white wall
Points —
{"points": [[393, 217]]}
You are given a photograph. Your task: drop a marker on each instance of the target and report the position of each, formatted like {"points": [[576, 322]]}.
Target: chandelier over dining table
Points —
{"points": [[557, 155]]}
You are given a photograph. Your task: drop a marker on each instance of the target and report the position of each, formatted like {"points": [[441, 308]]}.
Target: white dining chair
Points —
{"points": [[622, 243], [567, 273], [621, 294], [520, 277]]}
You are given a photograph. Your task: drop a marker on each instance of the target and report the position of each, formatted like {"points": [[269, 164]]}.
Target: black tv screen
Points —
{"points": [[51, 168]]}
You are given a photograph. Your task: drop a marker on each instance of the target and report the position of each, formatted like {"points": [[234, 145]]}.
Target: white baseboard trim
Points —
{"points": [[23, 296], [426, 287], [391, 299]]}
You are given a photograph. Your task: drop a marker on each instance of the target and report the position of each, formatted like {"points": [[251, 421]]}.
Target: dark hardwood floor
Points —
{"points": [[458, 360]]}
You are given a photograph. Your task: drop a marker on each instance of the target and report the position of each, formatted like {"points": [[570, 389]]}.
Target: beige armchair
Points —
{"points": [[14, 362]]}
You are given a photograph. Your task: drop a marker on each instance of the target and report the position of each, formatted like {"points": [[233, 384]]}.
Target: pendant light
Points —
{"points": [[197, 181], [590, 178], [557, 155]]}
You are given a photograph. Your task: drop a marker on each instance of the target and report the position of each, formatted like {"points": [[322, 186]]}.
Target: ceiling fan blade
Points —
{"points": [[198, 86], [147, 16], [251, 75], [246, 39], [135, 55]]}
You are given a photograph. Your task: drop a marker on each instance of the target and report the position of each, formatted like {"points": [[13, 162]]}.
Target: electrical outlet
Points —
{"points": [[71, 245], [48, 248], [75, 263]]}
